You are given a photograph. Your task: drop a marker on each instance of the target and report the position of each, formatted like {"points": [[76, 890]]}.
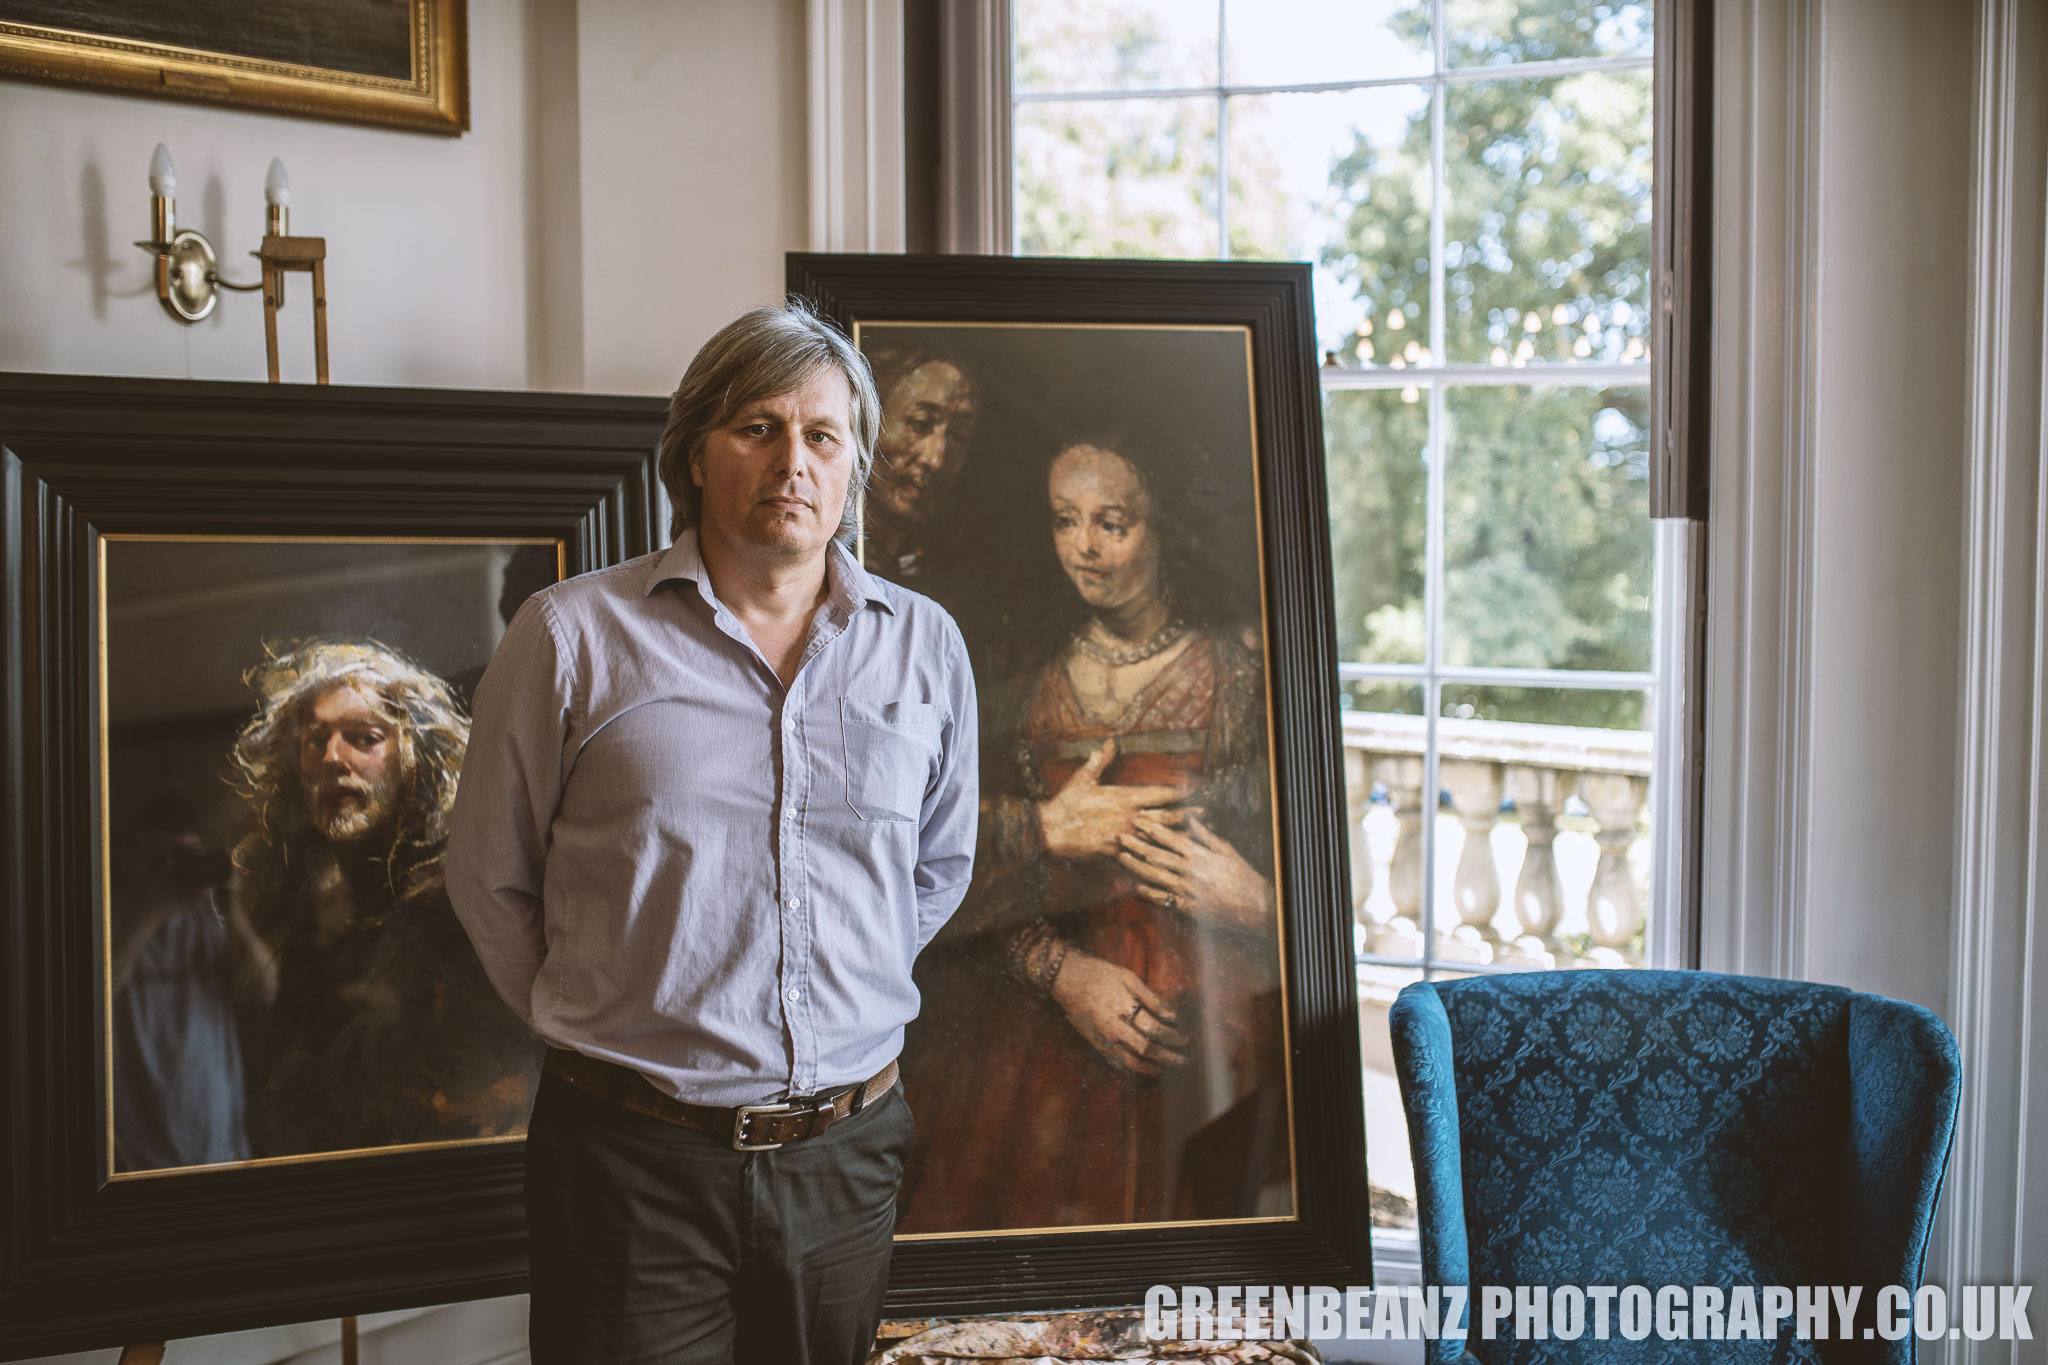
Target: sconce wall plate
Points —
{"points": [[191, 288]]}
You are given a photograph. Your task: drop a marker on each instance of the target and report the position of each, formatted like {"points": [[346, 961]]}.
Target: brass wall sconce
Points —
{"points": [[188, 278]]}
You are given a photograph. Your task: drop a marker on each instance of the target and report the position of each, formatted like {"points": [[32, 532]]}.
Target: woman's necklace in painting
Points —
{"points": [[1108, 656]]}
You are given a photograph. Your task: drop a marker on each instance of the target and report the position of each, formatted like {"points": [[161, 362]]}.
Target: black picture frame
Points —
{"points": [[88, 1262], [1328, 1239]]}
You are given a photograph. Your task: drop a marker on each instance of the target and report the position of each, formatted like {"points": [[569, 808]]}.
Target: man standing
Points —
{"points": [[717, 799], [384, 1029]]}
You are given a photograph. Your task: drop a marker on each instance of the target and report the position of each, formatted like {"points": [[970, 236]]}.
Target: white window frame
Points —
{"points": [[1668, 936], [1690, 691]]}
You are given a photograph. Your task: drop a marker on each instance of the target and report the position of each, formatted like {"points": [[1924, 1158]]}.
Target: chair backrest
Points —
{"points": [[1652, 1128]]}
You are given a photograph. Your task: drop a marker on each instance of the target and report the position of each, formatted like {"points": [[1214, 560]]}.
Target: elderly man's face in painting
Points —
{"points": [[927, 414], [349, 763]]}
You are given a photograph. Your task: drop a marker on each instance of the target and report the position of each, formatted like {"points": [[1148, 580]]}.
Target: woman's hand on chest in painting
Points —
{"points": [[1087, 817], [1198, 874], [1119, 1015]]}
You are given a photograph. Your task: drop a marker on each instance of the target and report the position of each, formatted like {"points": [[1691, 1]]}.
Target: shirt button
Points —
{"points": [[794, 902], [795, 995], [789, 812]]}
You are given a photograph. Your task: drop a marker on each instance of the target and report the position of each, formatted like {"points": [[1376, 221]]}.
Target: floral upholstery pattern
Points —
{"points": [[1653, 1128]]}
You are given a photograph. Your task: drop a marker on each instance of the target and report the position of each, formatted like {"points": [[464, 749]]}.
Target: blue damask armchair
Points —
{"points": [[1652, 1128]]}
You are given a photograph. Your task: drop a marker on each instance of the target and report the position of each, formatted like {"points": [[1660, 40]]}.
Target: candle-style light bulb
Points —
{"points": [[277, 198], [163, 176], [163, 184]]}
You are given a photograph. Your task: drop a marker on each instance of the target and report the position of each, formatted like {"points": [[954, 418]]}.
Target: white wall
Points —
{"points": [[693, 172], [1835, 561], [481, 1332], [634, 172], [1888, 481]]}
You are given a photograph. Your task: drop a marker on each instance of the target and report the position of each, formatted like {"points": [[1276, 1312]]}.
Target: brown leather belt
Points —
{"points": [[749, 1127]]}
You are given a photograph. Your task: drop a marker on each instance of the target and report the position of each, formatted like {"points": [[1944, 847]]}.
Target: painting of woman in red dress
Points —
{"points": [[1101, 1041]]}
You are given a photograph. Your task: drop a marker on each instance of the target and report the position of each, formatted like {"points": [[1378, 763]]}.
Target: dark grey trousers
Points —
{"points": [[652, 1243]]}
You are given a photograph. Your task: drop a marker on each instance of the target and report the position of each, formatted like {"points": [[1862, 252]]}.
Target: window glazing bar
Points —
{"points": [[1455, 76], [1439, 964], [1587, 679], [1554, 374], [1433, 512]]}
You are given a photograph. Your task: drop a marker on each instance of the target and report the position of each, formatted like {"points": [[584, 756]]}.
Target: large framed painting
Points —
{"points": [[401, 63], [1137, 1058], [255, 1073]]}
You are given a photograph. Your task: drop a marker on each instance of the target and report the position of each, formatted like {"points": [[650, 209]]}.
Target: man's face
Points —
{"points": [[349, 764], [774, 477], [926, 416]]}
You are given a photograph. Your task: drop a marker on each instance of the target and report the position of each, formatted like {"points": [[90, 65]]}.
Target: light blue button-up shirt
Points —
{"points": [[667, 860]]}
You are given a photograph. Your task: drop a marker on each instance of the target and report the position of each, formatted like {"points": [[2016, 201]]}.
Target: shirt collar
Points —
{"points": [[851, 586]]}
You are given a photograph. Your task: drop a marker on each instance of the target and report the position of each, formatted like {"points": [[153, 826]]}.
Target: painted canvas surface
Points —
{"points": [[283, 728], [1102, 1040], [364, 37]]}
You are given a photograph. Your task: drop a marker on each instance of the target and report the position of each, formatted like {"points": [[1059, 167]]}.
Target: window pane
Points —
{"points": [[1547, 218], [1385, 729], [1562, 809], [1570, 848], [1493, 32], [1596, 708], [1547, 546], [1375, 451], [1307, 42], [1117, 178], [1340, 179], [1113, 44], [1380, 696], [1388, 1166]]}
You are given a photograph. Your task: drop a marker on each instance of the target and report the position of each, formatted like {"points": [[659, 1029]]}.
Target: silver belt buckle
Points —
{"points": [[747, 1111]]}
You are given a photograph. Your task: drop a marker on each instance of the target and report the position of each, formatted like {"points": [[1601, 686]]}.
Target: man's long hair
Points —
{"points": [[432, 730]]}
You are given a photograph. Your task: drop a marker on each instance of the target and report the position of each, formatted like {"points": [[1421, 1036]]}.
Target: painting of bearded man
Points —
{"points": [[383, 1029]]}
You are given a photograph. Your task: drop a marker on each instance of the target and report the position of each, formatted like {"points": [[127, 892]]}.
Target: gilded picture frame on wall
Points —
{"points": [[1137, 1059], [255, 1072], [395, 63]]}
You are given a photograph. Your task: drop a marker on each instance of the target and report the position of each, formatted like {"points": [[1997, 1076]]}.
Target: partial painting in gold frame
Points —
{"points": [[283, 720], [397, 63]]}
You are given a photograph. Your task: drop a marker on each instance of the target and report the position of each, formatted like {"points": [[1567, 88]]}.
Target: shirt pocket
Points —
{"points": [[890, 747]]}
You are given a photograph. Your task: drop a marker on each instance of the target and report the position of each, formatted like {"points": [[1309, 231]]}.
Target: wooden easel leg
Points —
{"points": [[320, 371], [151, 1353], [349, 1346], [271, 278]]}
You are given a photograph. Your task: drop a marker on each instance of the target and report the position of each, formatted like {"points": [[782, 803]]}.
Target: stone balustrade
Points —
{"points": [[1482, 765]]}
